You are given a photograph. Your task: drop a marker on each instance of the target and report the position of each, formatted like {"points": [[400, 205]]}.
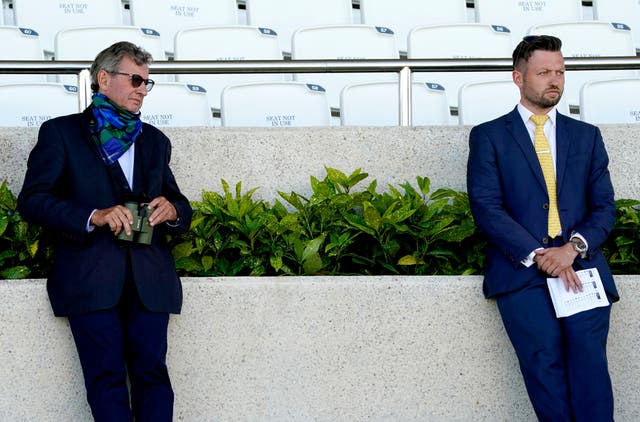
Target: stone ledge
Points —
{"points": [[310, 348], [284, 158]]}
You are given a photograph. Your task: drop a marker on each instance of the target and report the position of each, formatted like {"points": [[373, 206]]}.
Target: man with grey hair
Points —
{"points": [[100, 181]]}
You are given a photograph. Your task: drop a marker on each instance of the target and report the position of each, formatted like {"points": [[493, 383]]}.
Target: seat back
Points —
{"points": [[20, 44], [337, 42], [285, 16], [227, 43], [84, 43], [377, 104], [403, 15], [483, 101], [519, 16], [168, 16], [275, 104], [48, 17], [610, 101], [620, 11], [175, 104], [459, 41], [589, 39], [34, 103]]}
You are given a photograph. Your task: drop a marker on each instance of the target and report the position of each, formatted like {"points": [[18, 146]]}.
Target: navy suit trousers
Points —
{"points": [[563, 360], [126, 340]]}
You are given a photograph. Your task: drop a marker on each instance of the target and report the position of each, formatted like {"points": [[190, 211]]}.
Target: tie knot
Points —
{"points": [[539, 120]]}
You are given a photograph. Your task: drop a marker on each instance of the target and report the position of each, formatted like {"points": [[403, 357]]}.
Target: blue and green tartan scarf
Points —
{"points": [[116, 129]]}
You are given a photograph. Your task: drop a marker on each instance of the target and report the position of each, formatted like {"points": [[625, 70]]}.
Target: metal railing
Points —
{"points": [[404, 68]]}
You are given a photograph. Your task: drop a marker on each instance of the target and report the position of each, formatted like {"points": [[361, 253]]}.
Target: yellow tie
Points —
{"points": [[546, 162]]}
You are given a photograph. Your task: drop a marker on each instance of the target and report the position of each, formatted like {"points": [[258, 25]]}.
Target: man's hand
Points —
{"points": [[557, 263], [118, 218], [163, 210], [570, 280]]}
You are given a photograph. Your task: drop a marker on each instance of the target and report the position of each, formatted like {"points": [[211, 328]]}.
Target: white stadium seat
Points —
{"points": [[275, 104], [48, 17], [175, 104], [337, 42], [620, 11], [285, 16], [459, 41], [20, 44], [84, 43], [483, 101], [222, 43], [519, 16], [171, 16], [589, 39], [403, 15], [34, 103], [610, 101], [377, 104]]}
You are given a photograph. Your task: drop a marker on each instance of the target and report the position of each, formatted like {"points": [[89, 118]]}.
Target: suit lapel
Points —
{"points": [[515, 126], [563, 140]]}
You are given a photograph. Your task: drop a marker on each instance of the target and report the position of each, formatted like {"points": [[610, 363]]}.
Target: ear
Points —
{"points": [[104, 78], [517, 78]]}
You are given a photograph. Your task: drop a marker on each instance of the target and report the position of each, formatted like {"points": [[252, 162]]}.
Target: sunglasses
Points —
{"points": [[137, 80]]}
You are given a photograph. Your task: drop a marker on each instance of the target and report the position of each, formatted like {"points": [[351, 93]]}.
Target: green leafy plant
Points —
{"points": [[338, 229], [344, 226], [23, 250], [622, 247]]}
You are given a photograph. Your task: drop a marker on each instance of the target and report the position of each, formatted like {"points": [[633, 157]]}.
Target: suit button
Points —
{"points": [[545, 206], [545, 240]]}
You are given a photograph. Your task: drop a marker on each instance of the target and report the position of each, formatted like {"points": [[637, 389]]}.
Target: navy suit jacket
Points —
{"points": [[509, 199], [65, 181]]}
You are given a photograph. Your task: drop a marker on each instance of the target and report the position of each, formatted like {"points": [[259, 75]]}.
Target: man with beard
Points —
{"points": [[540, 192]]}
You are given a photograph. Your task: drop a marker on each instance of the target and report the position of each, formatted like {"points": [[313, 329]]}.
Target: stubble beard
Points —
{"points": [[541, 101]]}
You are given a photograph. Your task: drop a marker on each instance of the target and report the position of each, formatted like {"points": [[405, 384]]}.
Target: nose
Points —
{"points": [[142, 89]]}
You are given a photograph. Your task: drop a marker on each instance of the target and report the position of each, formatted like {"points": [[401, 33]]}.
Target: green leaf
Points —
{"points": [[312, 248], [372, 216], [182, 250], [312, 264], [408, 260], [13, 273]]}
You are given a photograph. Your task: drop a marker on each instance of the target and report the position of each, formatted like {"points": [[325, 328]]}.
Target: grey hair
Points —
{"points": [[109, 59]]}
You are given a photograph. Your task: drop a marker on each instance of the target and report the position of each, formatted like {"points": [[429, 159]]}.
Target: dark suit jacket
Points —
{"points": [[509, 199], [65, 181]]}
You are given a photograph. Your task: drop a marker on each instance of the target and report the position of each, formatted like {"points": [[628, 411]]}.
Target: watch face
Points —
{"points": [[579, 246]]}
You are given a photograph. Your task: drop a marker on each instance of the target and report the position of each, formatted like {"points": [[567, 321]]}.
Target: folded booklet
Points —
{"points": [[567, 303]]}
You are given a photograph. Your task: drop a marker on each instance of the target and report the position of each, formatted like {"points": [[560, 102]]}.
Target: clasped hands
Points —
{"points": [[557, 262], [119, 218]]}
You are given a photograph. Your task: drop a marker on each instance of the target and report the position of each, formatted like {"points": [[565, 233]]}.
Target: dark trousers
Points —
{"points": [[127, 339], [563, 361]]}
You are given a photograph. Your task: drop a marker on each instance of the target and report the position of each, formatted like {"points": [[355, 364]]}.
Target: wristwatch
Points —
{"points": [[579, 246]]}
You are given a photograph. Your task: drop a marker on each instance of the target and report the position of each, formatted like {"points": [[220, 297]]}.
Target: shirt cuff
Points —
{"points": [[90, 226], [528, 261], [579, 236]]}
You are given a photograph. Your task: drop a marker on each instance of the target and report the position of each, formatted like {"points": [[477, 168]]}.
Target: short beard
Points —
{"points": [[543, 102]]}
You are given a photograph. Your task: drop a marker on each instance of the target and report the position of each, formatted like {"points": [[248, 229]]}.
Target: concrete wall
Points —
{"points": [[302, 349], [297, 349], [283, 159]]}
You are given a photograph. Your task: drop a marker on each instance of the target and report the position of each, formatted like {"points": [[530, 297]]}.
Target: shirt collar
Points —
{"points": [[525, 114]]}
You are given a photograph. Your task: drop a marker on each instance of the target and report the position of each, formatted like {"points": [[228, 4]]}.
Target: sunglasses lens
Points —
{"points": [[136, 80]]}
